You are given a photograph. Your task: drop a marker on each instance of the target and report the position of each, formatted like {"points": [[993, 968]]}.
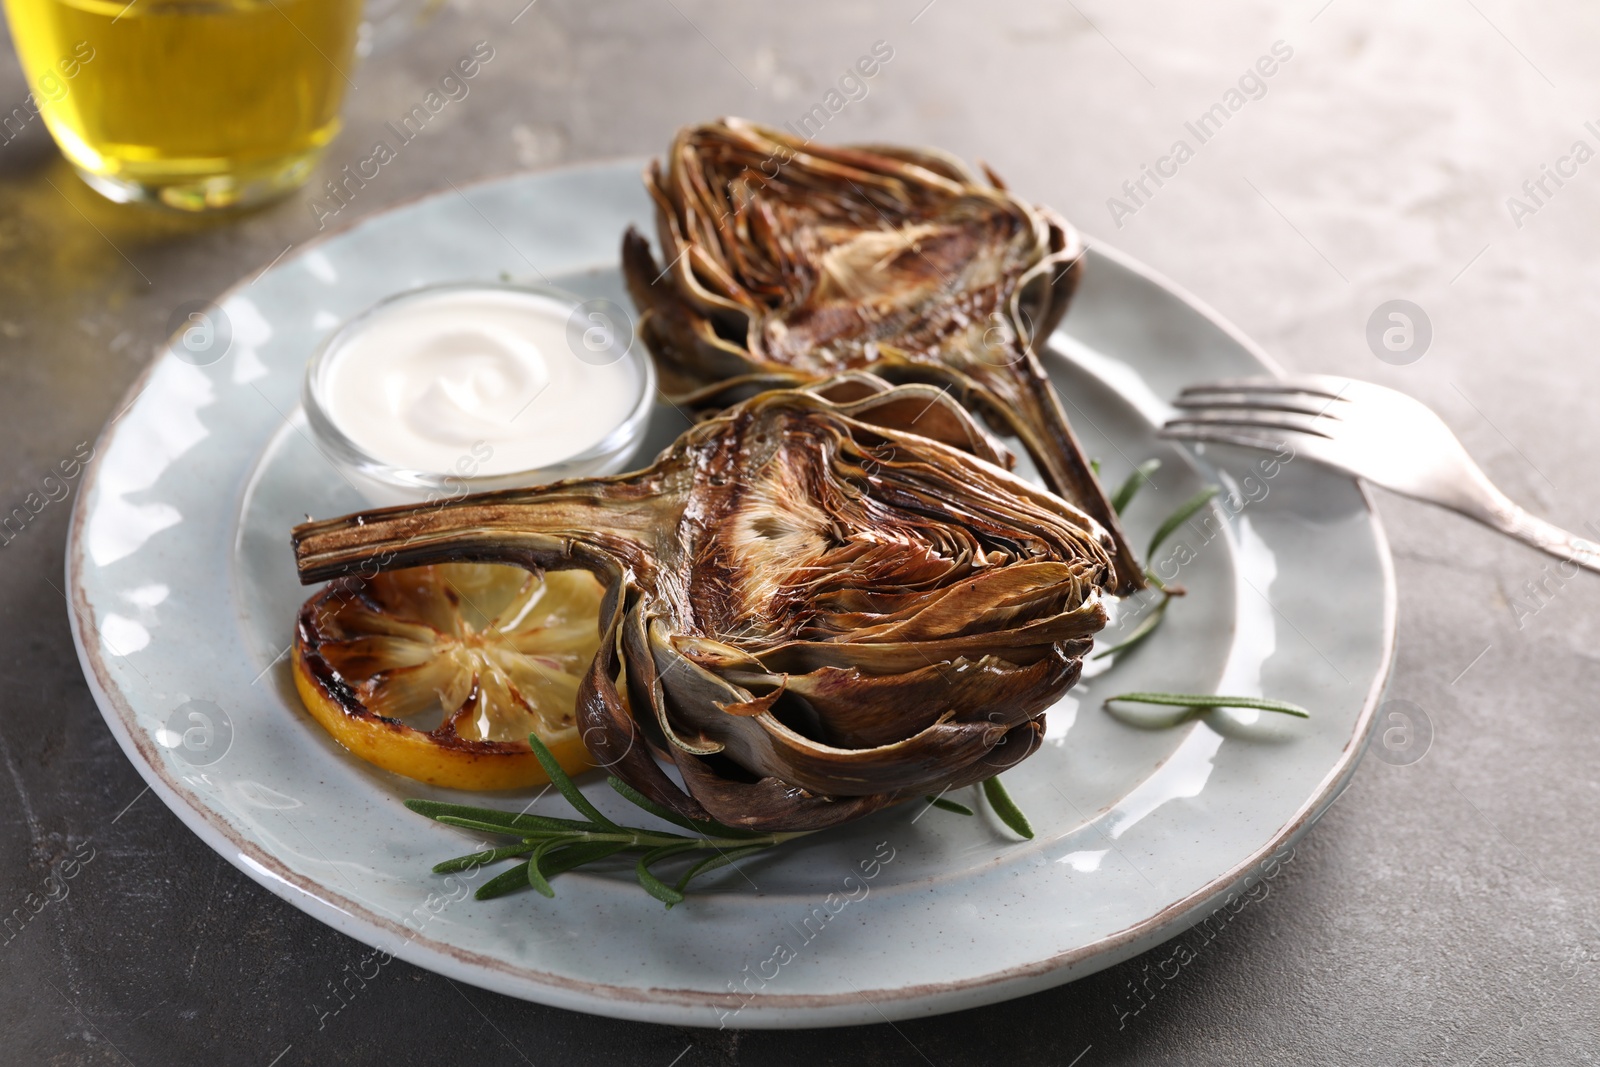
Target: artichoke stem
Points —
{"points": [[1044, 431], [588, 525]]}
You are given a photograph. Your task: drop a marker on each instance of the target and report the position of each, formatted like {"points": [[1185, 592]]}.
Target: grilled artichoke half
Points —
{"points": [[787, 262], [817, 602]]}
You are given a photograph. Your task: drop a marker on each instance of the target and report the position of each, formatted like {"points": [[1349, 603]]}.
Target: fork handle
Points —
{"points": [[1507, 517]]}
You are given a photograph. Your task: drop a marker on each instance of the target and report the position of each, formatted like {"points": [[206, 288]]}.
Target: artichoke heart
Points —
{"points": [[818, 602], [784, 262]]}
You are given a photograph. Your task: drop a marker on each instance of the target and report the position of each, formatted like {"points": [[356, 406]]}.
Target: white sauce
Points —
{"points": [[426, 381]]}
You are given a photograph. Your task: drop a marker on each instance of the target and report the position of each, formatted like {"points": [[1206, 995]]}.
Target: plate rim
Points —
{"points": [[667, 1005]]}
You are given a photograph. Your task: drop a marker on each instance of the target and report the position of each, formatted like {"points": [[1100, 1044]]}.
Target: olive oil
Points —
{"points": [[194, 103]]}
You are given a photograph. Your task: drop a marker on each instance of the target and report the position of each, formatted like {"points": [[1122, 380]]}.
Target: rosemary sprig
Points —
{"points": [[1185, 511], [551, 846], [1203, 702]]}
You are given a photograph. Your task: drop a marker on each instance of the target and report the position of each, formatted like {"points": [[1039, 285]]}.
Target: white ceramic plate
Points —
{"points": [[183, 594]]}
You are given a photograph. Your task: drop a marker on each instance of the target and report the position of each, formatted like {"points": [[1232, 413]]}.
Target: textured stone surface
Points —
{"points": [[1442, 913]]}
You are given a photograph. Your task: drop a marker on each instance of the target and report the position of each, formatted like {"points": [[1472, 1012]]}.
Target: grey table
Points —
{"points": [[1442, 913]]}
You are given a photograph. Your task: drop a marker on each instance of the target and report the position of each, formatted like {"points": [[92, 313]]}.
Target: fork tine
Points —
{"points": [[1296, 403], [1325, 386], [1218, 435], [1316, 449], [1253, 419]]}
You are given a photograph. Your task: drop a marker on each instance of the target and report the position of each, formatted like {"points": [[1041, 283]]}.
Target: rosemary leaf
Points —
{"points": [[511, 821], [721, 859], [507, 881], [480, 859], [1185, 511], [948, 805], [1130, 488], [571, 857], [653, 885], [1201, 702], [1006, 808], [536, 877], [1146, 627], [561, 781]]}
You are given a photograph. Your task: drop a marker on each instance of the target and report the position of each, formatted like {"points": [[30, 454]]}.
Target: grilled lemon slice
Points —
{"points": [[440, 673]]}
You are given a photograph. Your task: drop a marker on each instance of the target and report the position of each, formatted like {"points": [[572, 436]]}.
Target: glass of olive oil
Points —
{"points": [[196, 104]]}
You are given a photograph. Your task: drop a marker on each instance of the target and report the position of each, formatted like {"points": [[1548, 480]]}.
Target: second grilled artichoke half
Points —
{"points": [[817, 603], [785, 262]]}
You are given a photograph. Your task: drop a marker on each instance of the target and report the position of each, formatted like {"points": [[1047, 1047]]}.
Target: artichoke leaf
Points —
{"points": [[859, 710]]}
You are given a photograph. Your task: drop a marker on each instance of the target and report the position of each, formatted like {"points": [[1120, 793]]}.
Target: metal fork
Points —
{"points": [[1371, 432]]}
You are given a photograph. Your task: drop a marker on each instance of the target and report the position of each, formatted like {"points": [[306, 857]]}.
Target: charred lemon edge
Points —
{"points": [[404, 750]]}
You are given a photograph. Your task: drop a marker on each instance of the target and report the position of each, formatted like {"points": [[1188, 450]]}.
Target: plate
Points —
{"points": [[183, 594]]}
